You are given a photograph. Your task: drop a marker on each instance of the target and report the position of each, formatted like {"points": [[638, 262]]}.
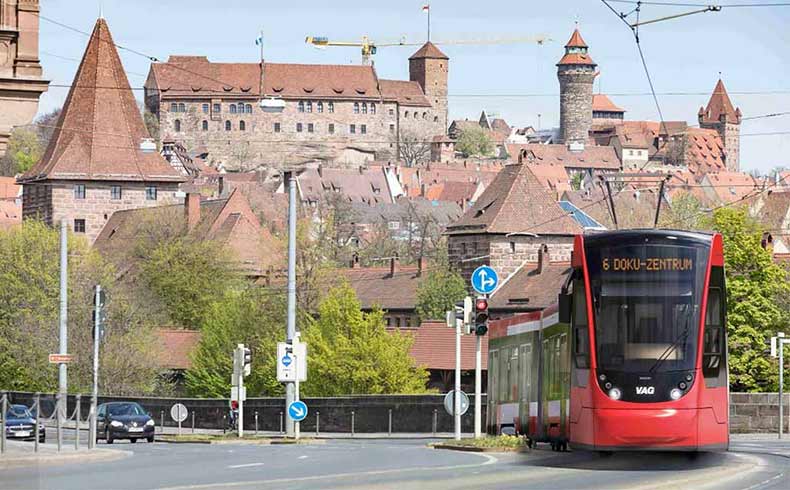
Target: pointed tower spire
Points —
{"points": [[719, 106], [721, 116]]}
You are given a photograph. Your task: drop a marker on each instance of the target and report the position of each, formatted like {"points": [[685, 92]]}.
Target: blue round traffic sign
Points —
{"points": [[286, 360], [484, 279], [297, 410]]}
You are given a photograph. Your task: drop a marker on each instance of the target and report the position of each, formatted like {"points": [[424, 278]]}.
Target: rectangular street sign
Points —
{"points": [[286, 367], [234, 393], [60, 358]]}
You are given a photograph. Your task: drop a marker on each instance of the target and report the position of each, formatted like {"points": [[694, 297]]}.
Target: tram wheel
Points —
{"points": [[564, 447], [530, 443]]}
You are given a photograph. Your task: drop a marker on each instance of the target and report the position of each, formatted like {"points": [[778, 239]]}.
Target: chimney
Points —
{"points": [[422, 190], [220, 185], [320, 171], [543, 258], [192, 209], [393, 265]]}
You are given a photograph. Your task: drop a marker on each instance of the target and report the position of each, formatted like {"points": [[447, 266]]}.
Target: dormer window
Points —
{"points": [[300, 106], [309, 106], [356, 107], [233, 108]]}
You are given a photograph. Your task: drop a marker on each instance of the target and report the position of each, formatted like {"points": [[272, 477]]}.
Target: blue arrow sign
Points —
{"points": [[297, 411], [286, 360], [484, 279]]}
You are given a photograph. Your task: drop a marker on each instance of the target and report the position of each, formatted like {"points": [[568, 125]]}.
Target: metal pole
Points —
{"points": [[95, 392], [352, 423], [37, 404], [162, 421], [59, 421], [435, 421], [456, 396], [256, 422], [291, 326], [281, 423], [389, 426], [478, 385], [658, 203], [317, 421], [297, 425], [77, 418], [781, 384], [193, 421], [63, 336], [4, 408], [240, 418]]}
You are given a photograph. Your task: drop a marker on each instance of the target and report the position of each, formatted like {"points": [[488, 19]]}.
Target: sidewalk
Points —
{"points": [[321, 435], [20, 453]]}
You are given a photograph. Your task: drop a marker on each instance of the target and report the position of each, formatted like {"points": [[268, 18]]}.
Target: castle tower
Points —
{"points": [[428, 67], [726, 120], [576, 72]]}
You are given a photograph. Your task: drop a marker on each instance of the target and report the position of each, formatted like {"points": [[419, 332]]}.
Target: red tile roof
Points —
{"points": [[10, 214], [729, 187], [592, 157], [176, 348], [100, 128], [9, 189], [376, 286], [429, 50], [576, 40], [434, 348], [529, 289], [704, 151], [362, 184], [411, 178], [405, 92], [516, 202], [553, 177], [720, 105], [603, 103]]}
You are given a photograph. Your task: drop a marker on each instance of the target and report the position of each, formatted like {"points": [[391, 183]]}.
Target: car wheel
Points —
{"points": [[150, 439], [108, 436], [42, 439], [132, 440]]}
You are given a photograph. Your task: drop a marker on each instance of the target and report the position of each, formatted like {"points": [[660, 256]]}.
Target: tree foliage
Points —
{"points": [[23, 151], [438, 293], [414, 148], [474, 141], [686, 212], [351, 352], [756, 287]]}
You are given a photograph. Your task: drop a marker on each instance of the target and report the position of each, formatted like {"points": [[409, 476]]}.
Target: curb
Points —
{"points": [[94, 456], [475, 449], [242, 442]]}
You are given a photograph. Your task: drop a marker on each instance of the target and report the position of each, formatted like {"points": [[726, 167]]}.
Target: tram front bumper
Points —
{"points": [[651, 428]]}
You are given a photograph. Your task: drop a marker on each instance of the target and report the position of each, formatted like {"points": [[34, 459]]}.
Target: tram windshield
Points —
{"points": [[646, 303]]}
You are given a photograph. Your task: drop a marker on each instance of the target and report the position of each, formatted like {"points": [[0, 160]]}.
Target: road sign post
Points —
{"points": [[777, 350], [179, 413], [457, 406], [485, 281]]}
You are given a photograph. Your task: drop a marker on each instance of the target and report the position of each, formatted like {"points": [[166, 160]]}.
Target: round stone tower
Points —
{"points": [[576, 72]]}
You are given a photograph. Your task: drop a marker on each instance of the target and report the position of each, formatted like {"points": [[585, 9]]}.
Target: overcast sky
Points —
{"points": [[749, 46]]}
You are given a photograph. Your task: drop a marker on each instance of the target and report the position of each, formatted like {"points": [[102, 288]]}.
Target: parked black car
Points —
{"points": [[21, 424], [124, 420]]}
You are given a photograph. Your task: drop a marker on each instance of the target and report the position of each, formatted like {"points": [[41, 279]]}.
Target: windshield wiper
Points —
{"points": [[665, 355]]}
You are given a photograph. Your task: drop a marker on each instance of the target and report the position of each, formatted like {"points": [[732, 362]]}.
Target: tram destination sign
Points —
{"points": [[647, 264]]}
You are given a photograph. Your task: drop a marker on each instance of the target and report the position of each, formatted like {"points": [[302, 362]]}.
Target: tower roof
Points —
{"points": [[576, 40], [429, 50], [100, 129], [576, 51], [718, 105]]}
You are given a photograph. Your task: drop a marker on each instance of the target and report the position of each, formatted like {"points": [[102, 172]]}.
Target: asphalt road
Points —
{"points": [[406, 464]]}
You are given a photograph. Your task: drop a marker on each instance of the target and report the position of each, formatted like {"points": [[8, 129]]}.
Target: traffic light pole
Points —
{"points": [[478, 383], [457, 396], [290, 178], [296, 386], [95, 392], [240, 417]]}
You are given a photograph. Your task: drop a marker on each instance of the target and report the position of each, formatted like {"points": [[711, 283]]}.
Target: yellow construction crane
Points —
{"points": [[368, 47]]}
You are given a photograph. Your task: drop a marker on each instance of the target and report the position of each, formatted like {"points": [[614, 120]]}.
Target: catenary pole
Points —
{"points": [[290, 178], [96, 334], [478, 386], [781, 385], [457, 394], [63, 334]]}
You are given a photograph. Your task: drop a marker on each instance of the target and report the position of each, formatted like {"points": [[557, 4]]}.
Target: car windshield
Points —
{"points": [[122, 409], [646, 304], [18, 412]]}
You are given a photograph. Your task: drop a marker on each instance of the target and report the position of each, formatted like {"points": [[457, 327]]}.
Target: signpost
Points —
{"points": [[179, 413], [449, 402], [485, 281], [286, 367], [777, 350], [297, 410], [60, 358]]}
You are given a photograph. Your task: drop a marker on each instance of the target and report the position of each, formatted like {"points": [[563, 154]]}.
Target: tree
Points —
{"points": [[414, 148], [46, 125], [23, 151], [686, 212], [350, 352], [438, 293], [474, 141], [152, 125], [756, 287]]}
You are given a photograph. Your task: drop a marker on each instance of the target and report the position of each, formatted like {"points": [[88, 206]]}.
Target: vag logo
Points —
{"points": [[645, 390]]}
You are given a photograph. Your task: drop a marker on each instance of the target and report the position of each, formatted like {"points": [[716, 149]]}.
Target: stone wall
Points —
{"points": [[757, 412], [462, 248], [432, 75], [53, 201], [576, 86]]}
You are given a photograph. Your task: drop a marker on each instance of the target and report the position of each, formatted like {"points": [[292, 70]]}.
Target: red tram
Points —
{"points": [[635, 358]]}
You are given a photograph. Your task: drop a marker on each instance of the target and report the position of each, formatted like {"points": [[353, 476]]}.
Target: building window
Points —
{"points": [[363, 129], [150, 193], [233, 108], [298, 127], [300, 106], [392, 128], [115, 192], [372, 108], [182, 107], [204, 125], [79, 191], [435, 118], [319, 107], [391, 111], [331, 128], [177, 125], [276, 127], [173, 107], [309, 106], [242, 126], [406, 115], [512, 247], [205, 108], [425, 115], [217, 108], [356, 107], [352, 128], [228, 126], [248, 108], [330, 107], [310, 128], [364, 108], [79, 226]]}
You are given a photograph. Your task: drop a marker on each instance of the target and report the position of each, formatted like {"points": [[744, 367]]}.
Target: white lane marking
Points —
{"points": [[302, 457], [489, 459], [248, 465], [765, 482]]}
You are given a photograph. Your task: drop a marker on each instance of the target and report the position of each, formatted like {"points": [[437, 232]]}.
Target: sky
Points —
{"points": [[516, 80]]}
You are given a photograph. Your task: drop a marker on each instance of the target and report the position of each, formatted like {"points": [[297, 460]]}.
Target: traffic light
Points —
{"points": [[247, 360], [481, 316], [462, 311], [99, 313]]}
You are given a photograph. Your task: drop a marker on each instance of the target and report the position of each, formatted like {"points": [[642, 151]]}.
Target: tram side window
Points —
{"points": [[493, 376], [525, 390], [581, 337], [713, 357]]}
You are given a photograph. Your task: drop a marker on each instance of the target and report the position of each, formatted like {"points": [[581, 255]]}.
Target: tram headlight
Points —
{"points": [[675, 394], [615, 393], [689, 377], [602, 377], [682, 385], [608, 385]]}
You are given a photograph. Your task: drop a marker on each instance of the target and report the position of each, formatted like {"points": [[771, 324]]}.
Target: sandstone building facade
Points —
{"points": [[21, 84], [93, 164], [328, 113]]}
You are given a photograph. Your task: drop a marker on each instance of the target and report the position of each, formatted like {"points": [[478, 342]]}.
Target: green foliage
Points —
{"points": [[255, 317], [29, 313], [756, 287], [438, 293], [188, 276], [24, 150], [685, 213], [474, 141], [576, 181], [351, 352]]}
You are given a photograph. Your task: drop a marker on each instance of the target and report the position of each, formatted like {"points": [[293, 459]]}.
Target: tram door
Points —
{"points": [[555, 379], [528, 406]]}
